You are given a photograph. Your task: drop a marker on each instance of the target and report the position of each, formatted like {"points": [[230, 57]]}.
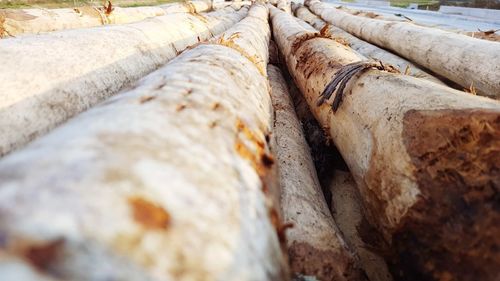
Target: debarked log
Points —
{"points": [[424, 156]]}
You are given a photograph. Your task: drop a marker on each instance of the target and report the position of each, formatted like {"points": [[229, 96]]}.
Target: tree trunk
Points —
{"points": [[422, 154], [464, 60], [234, 4], [347, 210], [49, 78], [167, 181], [14, 22], [484, 35], [366, 49], [315, 246], [284, 5]]}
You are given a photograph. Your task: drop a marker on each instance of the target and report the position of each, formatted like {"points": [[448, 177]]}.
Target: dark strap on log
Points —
{"points": [[344, 75]]}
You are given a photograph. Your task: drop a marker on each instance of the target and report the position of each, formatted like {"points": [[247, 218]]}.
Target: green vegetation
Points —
{"points": [[406, 3]]}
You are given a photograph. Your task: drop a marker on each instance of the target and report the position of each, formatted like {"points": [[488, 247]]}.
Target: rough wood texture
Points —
{"points": [[424, 157], [347, 210], [49, 78], [14, 22], [460, 58], [366, 49], [315, 247], [284, 5], [167, 181]]}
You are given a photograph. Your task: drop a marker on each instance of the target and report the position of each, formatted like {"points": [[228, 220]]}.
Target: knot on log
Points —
{"points": [[344, 75]]}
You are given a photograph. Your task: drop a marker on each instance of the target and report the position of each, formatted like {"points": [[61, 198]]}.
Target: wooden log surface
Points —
{"points": [[315, 247], [166, 181], [49, 78], [348, 213], [424, 157], [15, 22], [469, 62], [366, 49]]}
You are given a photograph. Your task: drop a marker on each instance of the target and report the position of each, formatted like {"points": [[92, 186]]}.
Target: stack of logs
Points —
{"points": [[245, 141]]}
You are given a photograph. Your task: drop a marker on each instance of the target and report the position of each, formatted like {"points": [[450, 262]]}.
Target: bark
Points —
{"points": [[49, 78], [464, 60], [14, 22], [348, 213], [315, 247], [423, 157], [366, 49], [167, 181]]}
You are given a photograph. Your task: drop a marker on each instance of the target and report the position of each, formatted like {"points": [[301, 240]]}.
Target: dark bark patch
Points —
{"points": [[453, 231], [324, 265]]}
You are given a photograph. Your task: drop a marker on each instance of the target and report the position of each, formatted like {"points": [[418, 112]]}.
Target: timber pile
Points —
{"points": [[451, 55], [176, 144], [15, 22]]}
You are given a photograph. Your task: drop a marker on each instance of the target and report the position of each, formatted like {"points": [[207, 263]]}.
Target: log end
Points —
{"points": [[453, 230]]}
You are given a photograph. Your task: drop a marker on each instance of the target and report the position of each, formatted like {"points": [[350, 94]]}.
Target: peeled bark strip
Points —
{"points": [[49, 78], [315, 247], [164, 182], [464, 60], [424, 156], [14, 22], [366, 49], [348, 213]]}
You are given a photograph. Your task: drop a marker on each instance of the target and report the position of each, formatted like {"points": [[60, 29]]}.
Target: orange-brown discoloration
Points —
{"points": [[3, 32], [42, 256], [300, 39], [216, 106], [312, 62], [180, 107], [148, 214], [453, 231], [255, 150], [145, 99]]}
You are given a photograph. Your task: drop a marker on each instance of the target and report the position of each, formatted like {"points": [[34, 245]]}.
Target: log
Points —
{"points": [[49, 78], [315, 246], [284, 5], [348, 213], [14, 22], [234, 4], [424, 156], [366, 49], [485, 35], [440, 51], [166, 181]]}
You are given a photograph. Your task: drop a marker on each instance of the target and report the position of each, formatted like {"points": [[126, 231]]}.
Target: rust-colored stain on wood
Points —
{"points": [[148, 214], [41, 256], [255, 150]]}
